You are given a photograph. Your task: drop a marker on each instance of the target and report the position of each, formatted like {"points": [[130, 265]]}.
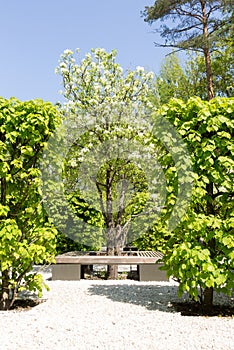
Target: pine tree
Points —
{"points": [[192, 25]]}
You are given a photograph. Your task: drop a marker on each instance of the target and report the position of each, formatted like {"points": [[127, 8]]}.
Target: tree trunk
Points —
{"points": [[210, 88], [208, 297], [206, 51], [114, 245], [112, 270], [209, 292], [7, 295], [115, 233], [211, 244]]}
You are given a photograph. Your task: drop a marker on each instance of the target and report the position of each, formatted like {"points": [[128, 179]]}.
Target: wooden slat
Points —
{"points": [[150, 253], [106, 260]]}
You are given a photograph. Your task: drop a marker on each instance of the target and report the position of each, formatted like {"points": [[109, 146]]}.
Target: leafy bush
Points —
{"points": [[200, 251], [26, 236]]}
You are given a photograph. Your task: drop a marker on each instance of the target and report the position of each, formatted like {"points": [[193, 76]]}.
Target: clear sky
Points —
{"points": [[35, 32]]}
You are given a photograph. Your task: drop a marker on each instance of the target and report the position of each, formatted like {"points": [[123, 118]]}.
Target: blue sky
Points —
{"points": [[35, 32]]}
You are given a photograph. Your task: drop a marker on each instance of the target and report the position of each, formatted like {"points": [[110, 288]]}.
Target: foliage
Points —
{"points": [[200, 251], [65, 244], [27, 237], [222, 67], [176, 81], [171, 82]]}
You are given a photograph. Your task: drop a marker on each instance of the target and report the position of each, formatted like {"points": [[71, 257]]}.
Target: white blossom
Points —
{"points": [[68, 52], [140, 69]]}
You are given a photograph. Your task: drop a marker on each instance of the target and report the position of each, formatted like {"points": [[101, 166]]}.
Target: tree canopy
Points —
{"points": [[106, 126], [185, 22]]}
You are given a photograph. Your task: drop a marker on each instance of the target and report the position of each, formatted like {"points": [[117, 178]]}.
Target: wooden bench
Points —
{"points": [[68, 266]]}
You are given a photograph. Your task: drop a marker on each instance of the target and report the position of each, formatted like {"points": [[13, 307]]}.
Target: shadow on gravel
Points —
{"points": [[196, 309], [152, 297], [25, 304], [161, 298]]}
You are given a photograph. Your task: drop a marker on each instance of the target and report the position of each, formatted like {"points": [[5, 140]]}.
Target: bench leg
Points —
{"points": [[151, 272], [86, 269], [66, 272]]}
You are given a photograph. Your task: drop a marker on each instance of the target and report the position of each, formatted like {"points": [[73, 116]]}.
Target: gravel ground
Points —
{"points": [[111, 315]]}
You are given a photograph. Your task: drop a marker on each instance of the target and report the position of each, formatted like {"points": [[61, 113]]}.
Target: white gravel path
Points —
{"points": [[112, 315]]}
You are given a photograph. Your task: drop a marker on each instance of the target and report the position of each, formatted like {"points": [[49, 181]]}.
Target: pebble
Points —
{"points": [[112, 315]]}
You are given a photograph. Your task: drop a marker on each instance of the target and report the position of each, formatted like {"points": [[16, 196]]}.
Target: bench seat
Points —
{"points": [[68, 265]]}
